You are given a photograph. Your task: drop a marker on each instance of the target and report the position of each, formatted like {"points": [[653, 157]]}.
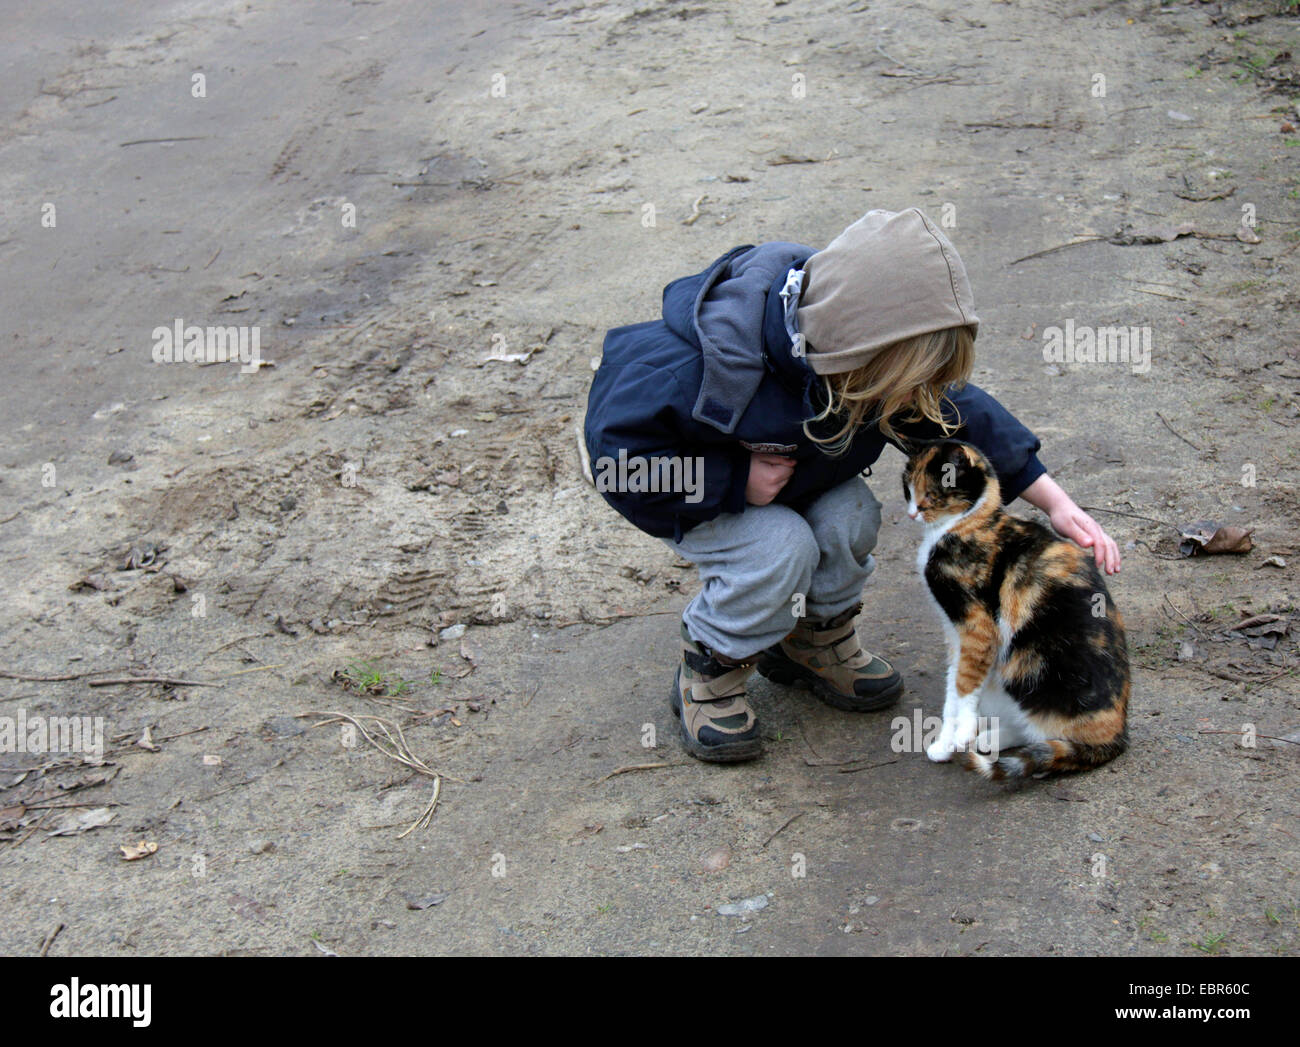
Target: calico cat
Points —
{"points": [[1036, 645]]}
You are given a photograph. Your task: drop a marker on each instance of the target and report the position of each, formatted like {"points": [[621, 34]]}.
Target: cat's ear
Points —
{"points": [[959, 455]]}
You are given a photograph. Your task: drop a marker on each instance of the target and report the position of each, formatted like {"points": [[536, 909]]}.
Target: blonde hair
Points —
{"points": [[913, 373]]}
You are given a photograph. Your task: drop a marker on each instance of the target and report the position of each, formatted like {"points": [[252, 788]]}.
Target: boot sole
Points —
{"points": [[728, 752], [796, 676]]}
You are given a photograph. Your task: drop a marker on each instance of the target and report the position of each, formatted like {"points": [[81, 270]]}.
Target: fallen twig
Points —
{"points": [[868, 767], [251, 636], [1270, 737], [255, 669], [631, 767], [423, 821], [157, 141], [169, 680], [1058, 247], [611, 620], [35, 678], [1116, 512], [1176, 432], [32, 831], [49, 938], [395, 749], [784, 825], [1195, 628]]}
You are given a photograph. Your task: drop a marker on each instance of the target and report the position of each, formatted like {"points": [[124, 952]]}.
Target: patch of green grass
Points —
{"points": [[435, 677], [370, 678], [1211, 944]]}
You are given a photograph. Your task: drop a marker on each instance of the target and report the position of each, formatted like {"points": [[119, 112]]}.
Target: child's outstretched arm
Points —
{"points": [[1072, 522], [1013, 450]]}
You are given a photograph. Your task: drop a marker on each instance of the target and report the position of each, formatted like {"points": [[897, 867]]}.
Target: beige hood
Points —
{"points": [[890, 275]]}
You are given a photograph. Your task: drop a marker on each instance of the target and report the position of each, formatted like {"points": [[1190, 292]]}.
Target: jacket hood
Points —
{"points": [[722, 311], [890, 275]]}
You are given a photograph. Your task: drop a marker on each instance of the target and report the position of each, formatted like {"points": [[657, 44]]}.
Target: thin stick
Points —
{"points": [[1058, 247], [784, 824], [402, 755], [170, 737], [422, 822], [255, 669], [34, 829], [49, 938], [34, 678], [1234, 678], [867, 767], [115, 681], [251, 636], [1116, 512], [156, 141], [617, 617], [1176, 432], [1271, 738], [1195, 628], [631, 767]]}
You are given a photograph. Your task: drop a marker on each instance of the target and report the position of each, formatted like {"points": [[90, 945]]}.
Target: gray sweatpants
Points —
{"points": [[756, 565]]}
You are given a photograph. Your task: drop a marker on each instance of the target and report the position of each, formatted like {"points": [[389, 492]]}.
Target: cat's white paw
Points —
{"points": [[965, 731], [940, 751]]}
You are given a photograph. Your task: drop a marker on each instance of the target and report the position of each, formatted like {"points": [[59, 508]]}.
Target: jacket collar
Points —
{"points": [[778, 350]]}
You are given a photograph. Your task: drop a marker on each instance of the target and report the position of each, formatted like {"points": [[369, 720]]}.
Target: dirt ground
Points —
{"points": [[521, 177]]}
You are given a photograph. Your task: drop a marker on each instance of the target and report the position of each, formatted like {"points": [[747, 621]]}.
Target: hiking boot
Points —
{"points": [[827, 657], [709, 698]]}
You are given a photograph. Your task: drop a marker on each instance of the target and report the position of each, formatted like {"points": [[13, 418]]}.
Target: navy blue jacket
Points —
{"points": [[716, 378]]}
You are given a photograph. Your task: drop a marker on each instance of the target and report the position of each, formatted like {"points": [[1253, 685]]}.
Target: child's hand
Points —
{"points": [[1072, 522], [768, 473]]}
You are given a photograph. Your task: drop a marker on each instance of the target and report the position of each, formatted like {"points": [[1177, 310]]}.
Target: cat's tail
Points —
{"points": [[1055, 754]]}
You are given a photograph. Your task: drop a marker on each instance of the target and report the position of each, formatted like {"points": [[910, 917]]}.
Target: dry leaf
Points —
{"points": [[11, 817], [1207, 538], [211, 761], [130, 852], [73, 823]]}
